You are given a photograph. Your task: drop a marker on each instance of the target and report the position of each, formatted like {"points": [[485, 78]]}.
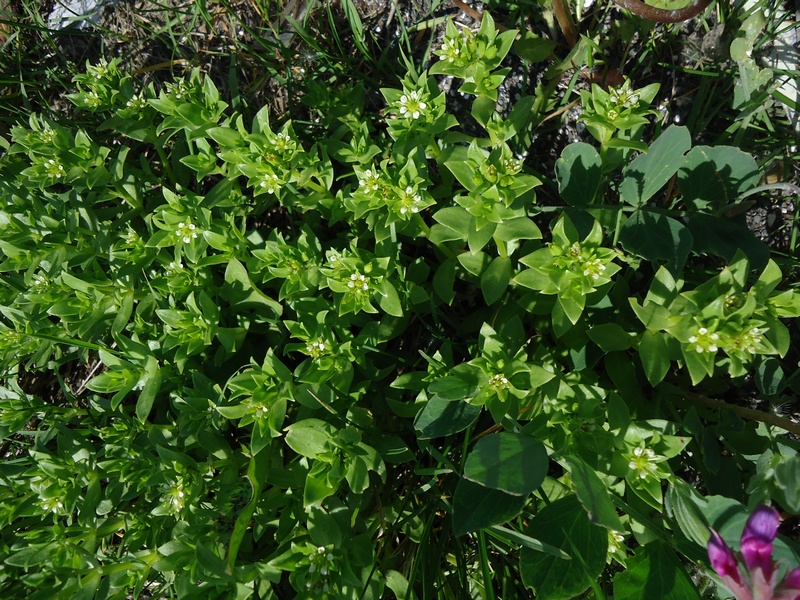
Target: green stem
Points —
{"points": [[317, 187], [617, 228], [426, 231], [72, 342], [487, 571], [158, 144]]}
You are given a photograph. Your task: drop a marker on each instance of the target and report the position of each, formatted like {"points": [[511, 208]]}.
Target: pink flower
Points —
{"points": [[756, 553]]}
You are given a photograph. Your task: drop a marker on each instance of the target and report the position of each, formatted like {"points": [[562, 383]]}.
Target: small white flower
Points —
{"points": [[410, 202], [358, 283], [47, 135], [512, 166], [92, 99], [54, 168], [316, 349], [749, 340], [643, 461], [54, 505], [412, 105], [283, 142], [270, 182], [450, 50], [593, 268], [186, 232], [370, 181], [499, 381], [704, 341]]}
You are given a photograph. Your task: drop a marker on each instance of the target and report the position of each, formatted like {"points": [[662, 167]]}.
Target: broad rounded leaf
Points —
{"points": [[648, 173], [309, 437], [712, 177], [565, 525], [724, 237], [579, 173], [476, 507], [657, 238], [511, 462], [654, 572], [440, 417]]}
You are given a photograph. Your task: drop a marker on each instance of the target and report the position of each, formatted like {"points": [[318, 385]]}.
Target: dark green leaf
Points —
{"points": [[593, 495], [648, 173], [476, 507], [531, 47], [512, 462], [787, 480], [723, 237], [770, 377], [610, 337], [713, 177], [519, 228], [654, 572], [444, 280], [686, 506], [657, 238], [147, 396], [579, 173], [495, 279], [653, 354], [439, 417], [565, 525]]}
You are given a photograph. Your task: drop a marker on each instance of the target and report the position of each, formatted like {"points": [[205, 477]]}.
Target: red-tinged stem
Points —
{"points": [[662, 15]]}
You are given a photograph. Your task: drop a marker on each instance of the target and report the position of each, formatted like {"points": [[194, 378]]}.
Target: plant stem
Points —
{"points": [[563, 16], [661, 15], [743, 412]]}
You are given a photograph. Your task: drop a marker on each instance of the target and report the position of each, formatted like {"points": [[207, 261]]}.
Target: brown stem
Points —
{"points": [[478, 16], [662, 15], [469, 10], [563, 15], [745, 413]]}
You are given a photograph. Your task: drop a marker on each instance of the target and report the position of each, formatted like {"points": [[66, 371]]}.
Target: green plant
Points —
{"points": [[361, 357]]}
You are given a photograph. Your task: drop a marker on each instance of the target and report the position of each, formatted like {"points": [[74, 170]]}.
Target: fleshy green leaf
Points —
{"points": [[593, 495], [495, 279], [653, 354]]}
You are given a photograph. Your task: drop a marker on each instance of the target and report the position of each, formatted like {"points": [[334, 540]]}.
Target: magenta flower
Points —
{"points": [[756, 553]]}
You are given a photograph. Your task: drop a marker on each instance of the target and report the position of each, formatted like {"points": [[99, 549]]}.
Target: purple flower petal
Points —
{"points": [[722, 558], [790, 587], [759, 533], [724, 563], [792, 580]]}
